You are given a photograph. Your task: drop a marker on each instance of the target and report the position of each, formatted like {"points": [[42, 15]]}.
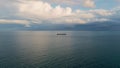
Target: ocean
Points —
{"points": [[45, 49]]}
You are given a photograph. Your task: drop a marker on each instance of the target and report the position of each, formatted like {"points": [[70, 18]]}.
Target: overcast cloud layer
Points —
{"points": [[27, 12]]}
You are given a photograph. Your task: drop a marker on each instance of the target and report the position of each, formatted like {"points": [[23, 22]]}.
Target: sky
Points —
{"points": [[46, 13]]}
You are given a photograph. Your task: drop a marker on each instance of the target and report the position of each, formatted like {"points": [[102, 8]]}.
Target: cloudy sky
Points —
{"points": [[69, 12]]}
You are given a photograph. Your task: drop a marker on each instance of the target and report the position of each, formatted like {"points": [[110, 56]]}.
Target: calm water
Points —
{"points": [[44, 49]]}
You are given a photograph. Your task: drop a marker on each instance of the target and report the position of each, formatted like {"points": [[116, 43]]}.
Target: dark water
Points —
{"points": [[44, 49]]}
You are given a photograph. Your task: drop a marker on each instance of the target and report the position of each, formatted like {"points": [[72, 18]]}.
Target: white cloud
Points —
{"points": [[22, 22], [89, 3], [102, 12], [84, 14], [44, 11], [39, 11]]}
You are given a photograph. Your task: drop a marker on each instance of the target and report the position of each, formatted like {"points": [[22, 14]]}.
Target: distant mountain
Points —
{"points": [[95, 26]]}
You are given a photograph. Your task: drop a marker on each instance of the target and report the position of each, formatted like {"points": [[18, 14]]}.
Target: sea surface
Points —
{"points": [[45, 49]]}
